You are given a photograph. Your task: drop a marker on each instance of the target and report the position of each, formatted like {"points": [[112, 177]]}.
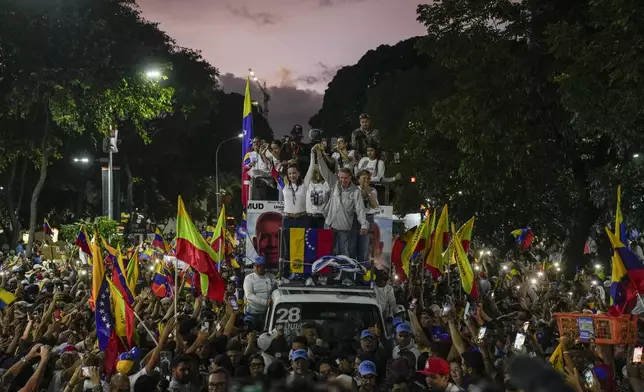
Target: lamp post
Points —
{"points": [[241, 135]]}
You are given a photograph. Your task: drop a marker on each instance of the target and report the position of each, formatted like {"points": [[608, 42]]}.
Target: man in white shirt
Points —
{"points": [[258, 287]]}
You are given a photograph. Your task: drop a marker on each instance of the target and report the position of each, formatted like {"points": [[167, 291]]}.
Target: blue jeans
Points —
{"points": [[341, 242]]}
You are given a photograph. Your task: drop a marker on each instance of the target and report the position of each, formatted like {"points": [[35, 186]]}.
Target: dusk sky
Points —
{"points": [[295, 45]]}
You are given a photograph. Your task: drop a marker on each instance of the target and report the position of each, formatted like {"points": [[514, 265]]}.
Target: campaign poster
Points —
{"points": [[263, 225], [381, 232]]}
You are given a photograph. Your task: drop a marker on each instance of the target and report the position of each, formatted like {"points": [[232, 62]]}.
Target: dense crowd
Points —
{"points": [[432, 336], [440, 340]]}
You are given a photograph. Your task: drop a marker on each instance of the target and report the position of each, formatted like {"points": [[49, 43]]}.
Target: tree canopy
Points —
{"points": [[73, 70], [524, 113]]}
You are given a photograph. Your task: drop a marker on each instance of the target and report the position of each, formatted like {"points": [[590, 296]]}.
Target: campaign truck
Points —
{"points": [[340, 313]]}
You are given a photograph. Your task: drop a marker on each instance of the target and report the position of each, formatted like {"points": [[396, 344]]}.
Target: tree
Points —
{"points": [[105, 227], [86, 87], [346, 95], [533, 146]]}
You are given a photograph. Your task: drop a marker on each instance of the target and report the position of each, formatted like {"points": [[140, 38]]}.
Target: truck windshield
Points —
{"points": [[336, 321]]}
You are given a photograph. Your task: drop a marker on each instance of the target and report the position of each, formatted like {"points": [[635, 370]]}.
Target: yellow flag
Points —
{"points": [[464, 266], [435, 256], [557, 359], [410, 247], [296, 249]]}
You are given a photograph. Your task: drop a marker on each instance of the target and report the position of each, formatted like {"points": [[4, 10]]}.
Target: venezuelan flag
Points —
{"points": [[100, 289], [247, 121], [247, 140], [47, 229], [209, 233], [119, 278], [617, 289], [6, 298], [281, 181], [628, 276], [159, 242], [160, 285], [193, 249], [308, 245], [123, 314], [84, 251], [523, 237]]}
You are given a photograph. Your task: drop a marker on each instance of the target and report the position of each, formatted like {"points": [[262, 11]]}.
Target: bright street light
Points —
{"points": [[153, 74], [241, 135], [533, 281], [636, 155], [81, 160], [598, 266]]}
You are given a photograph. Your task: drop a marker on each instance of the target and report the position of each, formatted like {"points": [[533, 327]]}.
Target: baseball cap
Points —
{"points": [[396, 321], [300, 354], [366, 368], [367, 334], [435, 365], [260, 260], [403, 327]]}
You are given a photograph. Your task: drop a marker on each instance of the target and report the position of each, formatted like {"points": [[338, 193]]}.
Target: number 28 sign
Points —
{"points": [[288, 315]]}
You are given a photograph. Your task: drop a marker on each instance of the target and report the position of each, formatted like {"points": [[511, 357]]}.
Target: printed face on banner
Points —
{"points": [[264, 224]]}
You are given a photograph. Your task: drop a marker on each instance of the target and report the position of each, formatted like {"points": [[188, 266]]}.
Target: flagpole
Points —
{"points": [[146, 328], [137, 316], [176, 281]]}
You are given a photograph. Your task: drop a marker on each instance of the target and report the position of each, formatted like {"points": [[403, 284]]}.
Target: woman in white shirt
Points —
{"points": [[343, 156], [317, 192], [295, 193], [371, 163]]}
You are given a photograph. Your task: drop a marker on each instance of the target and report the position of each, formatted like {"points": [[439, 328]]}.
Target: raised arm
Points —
{"points": [[329, 177], [309, 173]]}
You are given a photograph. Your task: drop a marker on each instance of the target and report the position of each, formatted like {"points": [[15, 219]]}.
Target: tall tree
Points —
{"points": [[86, 87], [346, 95], [531, 149]]}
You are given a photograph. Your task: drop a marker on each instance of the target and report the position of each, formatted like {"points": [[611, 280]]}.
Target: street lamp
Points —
{"points": [[241, 135], [636, 155], [153, 74], [81, 160]]}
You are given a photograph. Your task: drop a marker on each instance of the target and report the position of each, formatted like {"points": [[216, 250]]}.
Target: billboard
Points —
{"points": [[264, 224]]}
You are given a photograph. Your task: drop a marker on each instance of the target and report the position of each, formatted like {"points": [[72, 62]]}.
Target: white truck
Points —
{"points": [[341, 313]]}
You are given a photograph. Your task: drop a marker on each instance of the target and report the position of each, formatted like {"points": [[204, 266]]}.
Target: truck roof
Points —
{"points": [[304, 294]]}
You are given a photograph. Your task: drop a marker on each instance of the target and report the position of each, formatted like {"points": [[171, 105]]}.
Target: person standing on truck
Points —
{"points": [[258, 287], [344, 205]]}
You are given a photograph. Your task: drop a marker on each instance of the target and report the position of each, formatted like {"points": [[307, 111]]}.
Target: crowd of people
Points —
{"points": [[337, 184], [435, 339]]}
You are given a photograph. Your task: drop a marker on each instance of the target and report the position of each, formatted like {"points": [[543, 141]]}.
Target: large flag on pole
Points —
{"points": [[468, 280], [193, 249], [434, 261], [247, 140]]}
